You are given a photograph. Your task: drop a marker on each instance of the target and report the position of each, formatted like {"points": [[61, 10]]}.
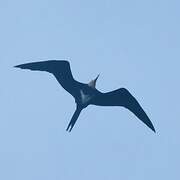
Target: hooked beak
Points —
{"points": [[97, 77], [93, 82]]}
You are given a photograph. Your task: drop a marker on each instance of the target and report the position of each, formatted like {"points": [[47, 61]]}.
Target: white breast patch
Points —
{"points": [[84, 98]]}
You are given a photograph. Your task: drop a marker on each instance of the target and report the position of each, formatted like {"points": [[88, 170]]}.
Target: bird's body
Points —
{"points": [[86, 94]]}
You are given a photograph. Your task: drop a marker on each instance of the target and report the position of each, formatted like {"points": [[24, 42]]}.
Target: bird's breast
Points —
{"points": [[85, 95], [85, 98]]}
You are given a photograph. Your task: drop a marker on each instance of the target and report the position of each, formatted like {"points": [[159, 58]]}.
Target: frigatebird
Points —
{"points": [[87, 94]]}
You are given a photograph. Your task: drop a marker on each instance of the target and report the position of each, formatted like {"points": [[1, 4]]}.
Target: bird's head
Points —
{"points": [[93, 82]]}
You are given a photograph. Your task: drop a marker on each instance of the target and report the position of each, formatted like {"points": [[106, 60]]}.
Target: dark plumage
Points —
{"points": [[86, 94]]}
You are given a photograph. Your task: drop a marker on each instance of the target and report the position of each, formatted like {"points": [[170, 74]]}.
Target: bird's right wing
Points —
{"points": [[122, 97], [59, 68]]}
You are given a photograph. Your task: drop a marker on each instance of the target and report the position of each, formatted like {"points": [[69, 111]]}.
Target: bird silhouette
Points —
{"points": [[87, 94]]}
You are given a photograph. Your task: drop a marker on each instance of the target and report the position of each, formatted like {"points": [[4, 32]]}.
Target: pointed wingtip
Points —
{"points": [[17, 66], [152, 128]]}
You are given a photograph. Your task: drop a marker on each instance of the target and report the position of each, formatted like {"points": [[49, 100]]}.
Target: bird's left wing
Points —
{"points": [[59, 68], [122, 97]]}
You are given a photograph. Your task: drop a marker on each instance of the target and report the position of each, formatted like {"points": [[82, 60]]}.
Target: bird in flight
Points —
{"points": [[87, 94]]}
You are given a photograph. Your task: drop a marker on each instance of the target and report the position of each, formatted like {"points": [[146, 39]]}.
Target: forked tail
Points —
{"points": [[74, 119]]}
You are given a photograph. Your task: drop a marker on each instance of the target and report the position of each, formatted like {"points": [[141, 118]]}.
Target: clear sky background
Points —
{"points": [[133, 44]]}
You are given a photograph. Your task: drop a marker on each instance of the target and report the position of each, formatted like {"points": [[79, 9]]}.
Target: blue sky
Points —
{"points": [[132, 44]]}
